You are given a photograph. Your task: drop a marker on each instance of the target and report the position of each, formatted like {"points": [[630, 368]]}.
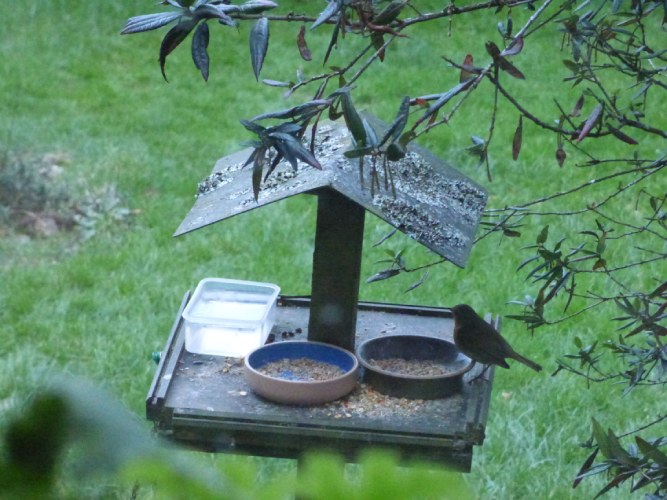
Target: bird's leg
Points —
{"points": [[481, 374]]}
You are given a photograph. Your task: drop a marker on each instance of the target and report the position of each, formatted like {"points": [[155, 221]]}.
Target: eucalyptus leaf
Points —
{"points": [[331, 10], [396, 128]]}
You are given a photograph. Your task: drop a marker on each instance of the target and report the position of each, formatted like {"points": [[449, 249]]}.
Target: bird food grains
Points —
{"points": [[413, 367], [301, 369]]}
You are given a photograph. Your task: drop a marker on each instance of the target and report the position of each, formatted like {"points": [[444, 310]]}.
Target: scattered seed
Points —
{"points": [[414, 367]]}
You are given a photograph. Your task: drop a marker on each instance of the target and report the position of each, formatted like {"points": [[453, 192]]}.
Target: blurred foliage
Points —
{"points": [[71, 433]]}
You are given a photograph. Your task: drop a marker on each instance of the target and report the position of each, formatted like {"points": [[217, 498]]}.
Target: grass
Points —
{"points": [[99, 307]]}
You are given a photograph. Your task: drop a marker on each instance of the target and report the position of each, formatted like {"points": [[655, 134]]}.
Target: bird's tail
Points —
{"points": [[526, 361]]}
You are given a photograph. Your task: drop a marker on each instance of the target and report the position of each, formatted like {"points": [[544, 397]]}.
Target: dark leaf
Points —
{"points": [[149, 22], [590, 122], [377, 39], [515, 47], [219, 12], [586, 465], [385, 237], [332, 42], [259, 44], [511, 233], [292, 149], [389, 13], [259, 156], [396, 128], [418, 283], [517, 140], [395, 151], [332, 9], [507, 66], [602, 439], [253, 127], [303, 46], [358, 152], [542, 237], [561, 155], [383, 275], [173, 39], [621, 135], [651, 451], [199, 49], [577, 107], [296, 111], [467, 69], [444, 99]]}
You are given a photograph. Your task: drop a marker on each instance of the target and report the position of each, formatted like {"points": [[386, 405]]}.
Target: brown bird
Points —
{"points": [[481, 342]]}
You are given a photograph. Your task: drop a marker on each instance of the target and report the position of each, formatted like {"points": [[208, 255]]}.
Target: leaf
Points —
{"points": [[542, 237], [444, 99], [256, 6], [332, 43], [587, 463], [260, 158], [602, 439], [590, 122], [302, 45], [622, 136], [259, 44], [651, 451], [199, 49], [383, 275], [173, 39], [418, 283], [395, 151], [149, 22], [332, 9], [577, 107], [377, 39], [396, 128], [514, 48], [389, 13], [516, 142], [352, 119], [466, 69], [296, 111], [385, 237], [292, 149]]}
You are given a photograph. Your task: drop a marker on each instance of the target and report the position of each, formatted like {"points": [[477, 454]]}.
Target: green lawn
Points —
{"points": [[99, 307]]}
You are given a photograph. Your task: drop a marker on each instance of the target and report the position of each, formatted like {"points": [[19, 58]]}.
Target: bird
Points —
{"points": [[482, 343]]}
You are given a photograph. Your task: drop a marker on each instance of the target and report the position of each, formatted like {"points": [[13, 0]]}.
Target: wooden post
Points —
{"points": [[336, 270]]}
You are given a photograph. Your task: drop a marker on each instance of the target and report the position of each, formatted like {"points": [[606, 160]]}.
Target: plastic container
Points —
{"points": [[229, 317]]}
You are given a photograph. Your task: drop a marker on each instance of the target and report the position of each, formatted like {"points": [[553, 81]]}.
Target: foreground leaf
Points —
{"points": [[590, 122]]}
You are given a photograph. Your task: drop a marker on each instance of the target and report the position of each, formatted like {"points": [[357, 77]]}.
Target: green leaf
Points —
{"points": [[259, 44], [352, 119], [199, 49], [395, 151], [516, 141], [651, 451], [173, 39], [542, 237], [602, 439], [396, 128], [149, 22]]}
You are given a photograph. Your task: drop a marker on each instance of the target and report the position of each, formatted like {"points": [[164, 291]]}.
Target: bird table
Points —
{"points": [[203, 400]]}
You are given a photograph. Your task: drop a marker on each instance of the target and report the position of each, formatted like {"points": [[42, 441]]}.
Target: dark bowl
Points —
{"points": [[301, 392], [413, 347]]}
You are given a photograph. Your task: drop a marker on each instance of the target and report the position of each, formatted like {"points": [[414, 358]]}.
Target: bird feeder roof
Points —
{"points": [[430, 201]]}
